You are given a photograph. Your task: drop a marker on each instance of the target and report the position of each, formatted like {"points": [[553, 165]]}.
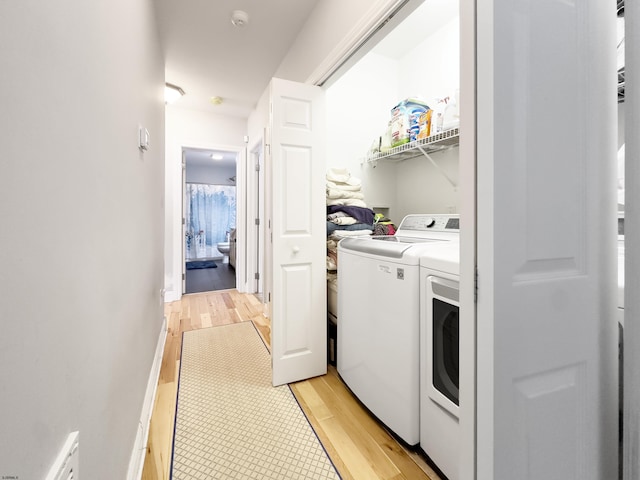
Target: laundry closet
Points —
{"points": [[409, 171], [420, 58]]}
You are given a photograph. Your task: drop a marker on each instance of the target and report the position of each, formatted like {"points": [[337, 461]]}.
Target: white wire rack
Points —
{"points": [[434, 143], [422, 147]]}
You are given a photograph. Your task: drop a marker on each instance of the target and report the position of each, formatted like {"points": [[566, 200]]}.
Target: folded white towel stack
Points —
{"points": [[342, 176]]}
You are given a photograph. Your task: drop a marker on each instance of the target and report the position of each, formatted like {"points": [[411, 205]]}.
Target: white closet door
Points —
{"points": [[547, 351], [631, 463], [298, 228]]}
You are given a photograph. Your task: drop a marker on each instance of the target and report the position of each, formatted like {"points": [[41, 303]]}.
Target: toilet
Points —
{"points": [[223, 248]]}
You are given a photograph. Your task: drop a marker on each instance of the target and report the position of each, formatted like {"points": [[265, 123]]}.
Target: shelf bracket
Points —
{"points": [[442, 172]]}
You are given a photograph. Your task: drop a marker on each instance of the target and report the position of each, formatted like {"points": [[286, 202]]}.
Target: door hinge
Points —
{"points": [[257, 167], [183, 221], [183, 276], [475, 289], [246, 139], [257, 221], [257, 276]]}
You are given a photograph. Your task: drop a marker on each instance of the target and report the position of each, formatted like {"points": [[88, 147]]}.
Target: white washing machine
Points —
{"points": [[440, 357], [379, 315]]}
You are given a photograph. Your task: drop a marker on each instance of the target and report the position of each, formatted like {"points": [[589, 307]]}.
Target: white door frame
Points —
{"points": [[467, 192], [631, 407], [183, 221], [240, 210], [255, 210]]}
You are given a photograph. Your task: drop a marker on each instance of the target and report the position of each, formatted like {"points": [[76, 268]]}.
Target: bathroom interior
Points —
{"points": [[210, 219]]}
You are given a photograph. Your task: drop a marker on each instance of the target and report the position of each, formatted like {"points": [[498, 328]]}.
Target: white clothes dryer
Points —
{"points": [[440, 357], [379, 315]]}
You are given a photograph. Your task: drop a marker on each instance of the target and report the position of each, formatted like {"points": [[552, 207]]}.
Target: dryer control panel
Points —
{"points": [[430, 222]]}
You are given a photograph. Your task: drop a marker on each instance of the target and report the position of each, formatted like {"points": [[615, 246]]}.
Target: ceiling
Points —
{"points": [[196, 157], [207, 56]]}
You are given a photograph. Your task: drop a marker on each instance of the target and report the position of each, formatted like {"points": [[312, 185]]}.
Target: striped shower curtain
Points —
{"points": [[211, 214]]}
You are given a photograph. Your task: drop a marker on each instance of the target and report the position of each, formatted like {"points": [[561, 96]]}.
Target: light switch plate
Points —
{"points": [[143, 138]]}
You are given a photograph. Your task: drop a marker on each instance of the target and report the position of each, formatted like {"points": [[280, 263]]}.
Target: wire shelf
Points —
{"points": [[434, 143]]}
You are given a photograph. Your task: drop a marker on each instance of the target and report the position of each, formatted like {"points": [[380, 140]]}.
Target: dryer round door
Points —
{"points": [[443, 339]]}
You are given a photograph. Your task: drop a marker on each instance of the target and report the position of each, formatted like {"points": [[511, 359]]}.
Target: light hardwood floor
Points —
{"points": [[357, 444]]}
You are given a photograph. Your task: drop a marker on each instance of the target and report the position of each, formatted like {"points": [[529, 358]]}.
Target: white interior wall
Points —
{"points": [[423, 189], [82, 237], [431, 69], [328, 32], [258, 120], [358, 110], [211, 174], [198, 129]]}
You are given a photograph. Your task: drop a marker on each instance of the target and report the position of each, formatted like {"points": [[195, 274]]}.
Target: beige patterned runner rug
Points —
{"points": [[231, 423]]}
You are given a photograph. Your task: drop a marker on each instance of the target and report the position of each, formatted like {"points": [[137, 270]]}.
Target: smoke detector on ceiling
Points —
{"points": [[239, 18]]}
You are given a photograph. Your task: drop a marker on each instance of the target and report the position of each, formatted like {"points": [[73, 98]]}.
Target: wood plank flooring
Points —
{"points": [[357, 444], [223, 277]]}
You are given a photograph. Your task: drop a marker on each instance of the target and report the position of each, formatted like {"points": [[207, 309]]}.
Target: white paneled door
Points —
{"points": [[547, 332], [297, 228]]}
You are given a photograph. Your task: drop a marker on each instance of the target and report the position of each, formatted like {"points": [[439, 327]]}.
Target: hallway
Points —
{"points": [[357, 444]]}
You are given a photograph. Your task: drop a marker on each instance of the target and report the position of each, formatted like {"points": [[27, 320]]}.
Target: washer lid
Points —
{"points": [[391, 249]]}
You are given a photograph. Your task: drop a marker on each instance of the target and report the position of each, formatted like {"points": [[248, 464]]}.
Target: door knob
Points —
{"points": [[296, 249]]}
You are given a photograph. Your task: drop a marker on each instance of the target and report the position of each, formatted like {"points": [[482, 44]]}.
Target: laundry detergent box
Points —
{"points": [[405, 120]]}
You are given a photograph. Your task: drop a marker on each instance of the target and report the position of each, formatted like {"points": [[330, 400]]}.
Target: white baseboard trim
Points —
{"points": [[171, 296], [136, 463]]}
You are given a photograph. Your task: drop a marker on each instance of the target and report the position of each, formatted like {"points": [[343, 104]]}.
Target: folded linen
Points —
{"points": [[344, 221], [364, 215], [332, 227], [338, 234], [332, 260], [352, 202], [342, 175], [336, 193], [344, 186]]}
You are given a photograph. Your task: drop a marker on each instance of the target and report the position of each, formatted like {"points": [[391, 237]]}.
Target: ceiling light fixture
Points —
{"points": [[239, 18], [216, 100], [172, 92], [216, 156]]}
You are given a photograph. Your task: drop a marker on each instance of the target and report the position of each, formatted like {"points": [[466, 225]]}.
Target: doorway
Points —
{"points": [[209, 219], [255, 212]]}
